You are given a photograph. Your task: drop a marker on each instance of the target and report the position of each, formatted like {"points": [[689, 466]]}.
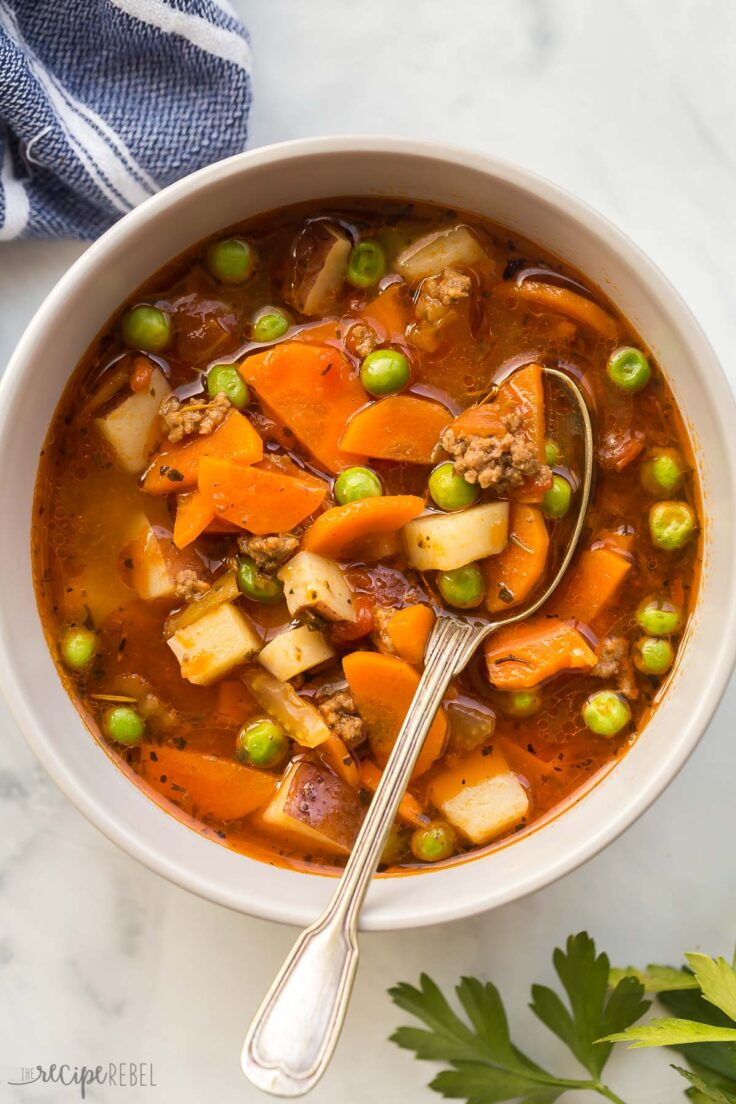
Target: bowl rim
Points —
{"points": [[701, 711]]}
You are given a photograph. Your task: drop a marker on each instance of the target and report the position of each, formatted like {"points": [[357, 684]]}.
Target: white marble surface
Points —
{"points": [[630, 103]]}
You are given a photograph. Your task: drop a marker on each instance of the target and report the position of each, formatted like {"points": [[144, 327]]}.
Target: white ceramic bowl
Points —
{"points": [[202, 204]]}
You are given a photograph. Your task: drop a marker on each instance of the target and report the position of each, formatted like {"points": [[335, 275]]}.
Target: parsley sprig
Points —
{"points": [[486, 1066], [600, 1006]]}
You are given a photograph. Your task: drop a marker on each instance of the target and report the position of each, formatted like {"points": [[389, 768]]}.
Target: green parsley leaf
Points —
{"points": [[593, 1012], [712, 1059], [717, 981], [705, 1090], [656, 979], [672, 1032]]}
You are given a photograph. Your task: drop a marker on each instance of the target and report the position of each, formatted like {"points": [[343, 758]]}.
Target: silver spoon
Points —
{"points": [[294, 1032]]}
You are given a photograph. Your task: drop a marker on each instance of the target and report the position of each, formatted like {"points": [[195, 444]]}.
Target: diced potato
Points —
{"points": [[212, 646], [431, 254], [303, 722], [130, 428], [442, 542], [224, 589], [320, 255], [315, 808], [480, 796], [150, 575], [294, 651], [313, 582]]}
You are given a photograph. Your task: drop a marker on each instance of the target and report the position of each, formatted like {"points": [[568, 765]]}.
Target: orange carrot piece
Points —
{"points": [[176, 468], [343, 530], [410, 811], [257, 498], [383, 687], [206, 785], [409, 630], [513, 574], [389, 313], [312, 390], [522, 393], [593, 582], [529, 766], [521, 656], [234, 704], [562, 300], [338, 759], [324, 333], [402, 428], [194, 514]]}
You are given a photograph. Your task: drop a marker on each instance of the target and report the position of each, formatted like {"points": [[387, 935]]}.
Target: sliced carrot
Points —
{"points": [[338, 758], [529, 766], [176, 468], [234, 704], [522, 393], [521, 656], [410, 811], [194, 514], [562, 300], [343, 530], [312, 390], [257, 498], [389, 313], [512, 575], [324, 333], [402, 428], [206, 785], [383, 687], [593, 582], [409, 630]]}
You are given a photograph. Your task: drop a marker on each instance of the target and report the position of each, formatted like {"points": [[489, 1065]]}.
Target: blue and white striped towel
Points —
{"points": [[103, 102]]}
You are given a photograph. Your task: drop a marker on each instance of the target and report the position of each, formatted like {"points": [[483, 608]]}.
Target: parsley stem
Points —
{"points": [[608, 1093]]}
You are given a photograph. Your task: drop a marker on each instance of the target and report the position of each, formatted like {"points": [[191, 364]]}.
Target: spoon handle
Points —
{"points": [[294, 1032]]}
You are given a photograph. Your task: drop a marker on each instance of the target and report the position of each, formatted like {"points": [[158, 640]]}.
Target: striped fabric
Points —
{"points": [[103, 102]]}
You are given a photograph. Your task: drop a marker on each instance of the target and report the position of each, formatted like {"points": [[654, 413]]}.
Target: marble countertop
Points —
{"points": [[631, 105]]}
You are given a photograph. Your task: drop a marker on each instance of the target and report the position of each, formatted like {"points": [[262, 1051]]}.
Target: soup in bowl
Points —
{"points": [[292, 446]]}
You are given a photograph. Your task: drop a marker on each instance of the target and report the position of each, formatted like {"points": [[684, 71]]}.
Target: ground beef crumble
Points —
{"points": [[502, 463], [380, 635], [269, 553], [188, 585], [342, 718], [614, 662], [194, 416], [439, 294], [361, 340]]}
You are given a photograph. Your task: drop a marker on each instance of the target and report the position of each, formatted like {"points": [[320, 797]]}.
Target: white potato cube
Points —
{"points": [[130, 427], [214, 644], [442, 542], [321, 255], [314, 582], [150, 574], [480, 796], [431, 254], [302, 720], [315, 807], [294, 651]]}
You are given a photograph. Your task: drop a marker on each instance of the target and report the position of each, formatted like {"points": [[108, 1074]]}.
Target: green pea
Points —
{"points": [[606, 713], [366, 265], [653, 655], [557, 499], [521, 703], [435, 842], [672, 524], [270, 326], [124, 725], [146, 328], [231, 260], [659, 617], [552, 453], [262, 743], [78, 646], [257, 586], [356, 483], [396, 846], [384, 372], [629, 369], [227, 378], [451, 491], [464, 587], [663, 471]]}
